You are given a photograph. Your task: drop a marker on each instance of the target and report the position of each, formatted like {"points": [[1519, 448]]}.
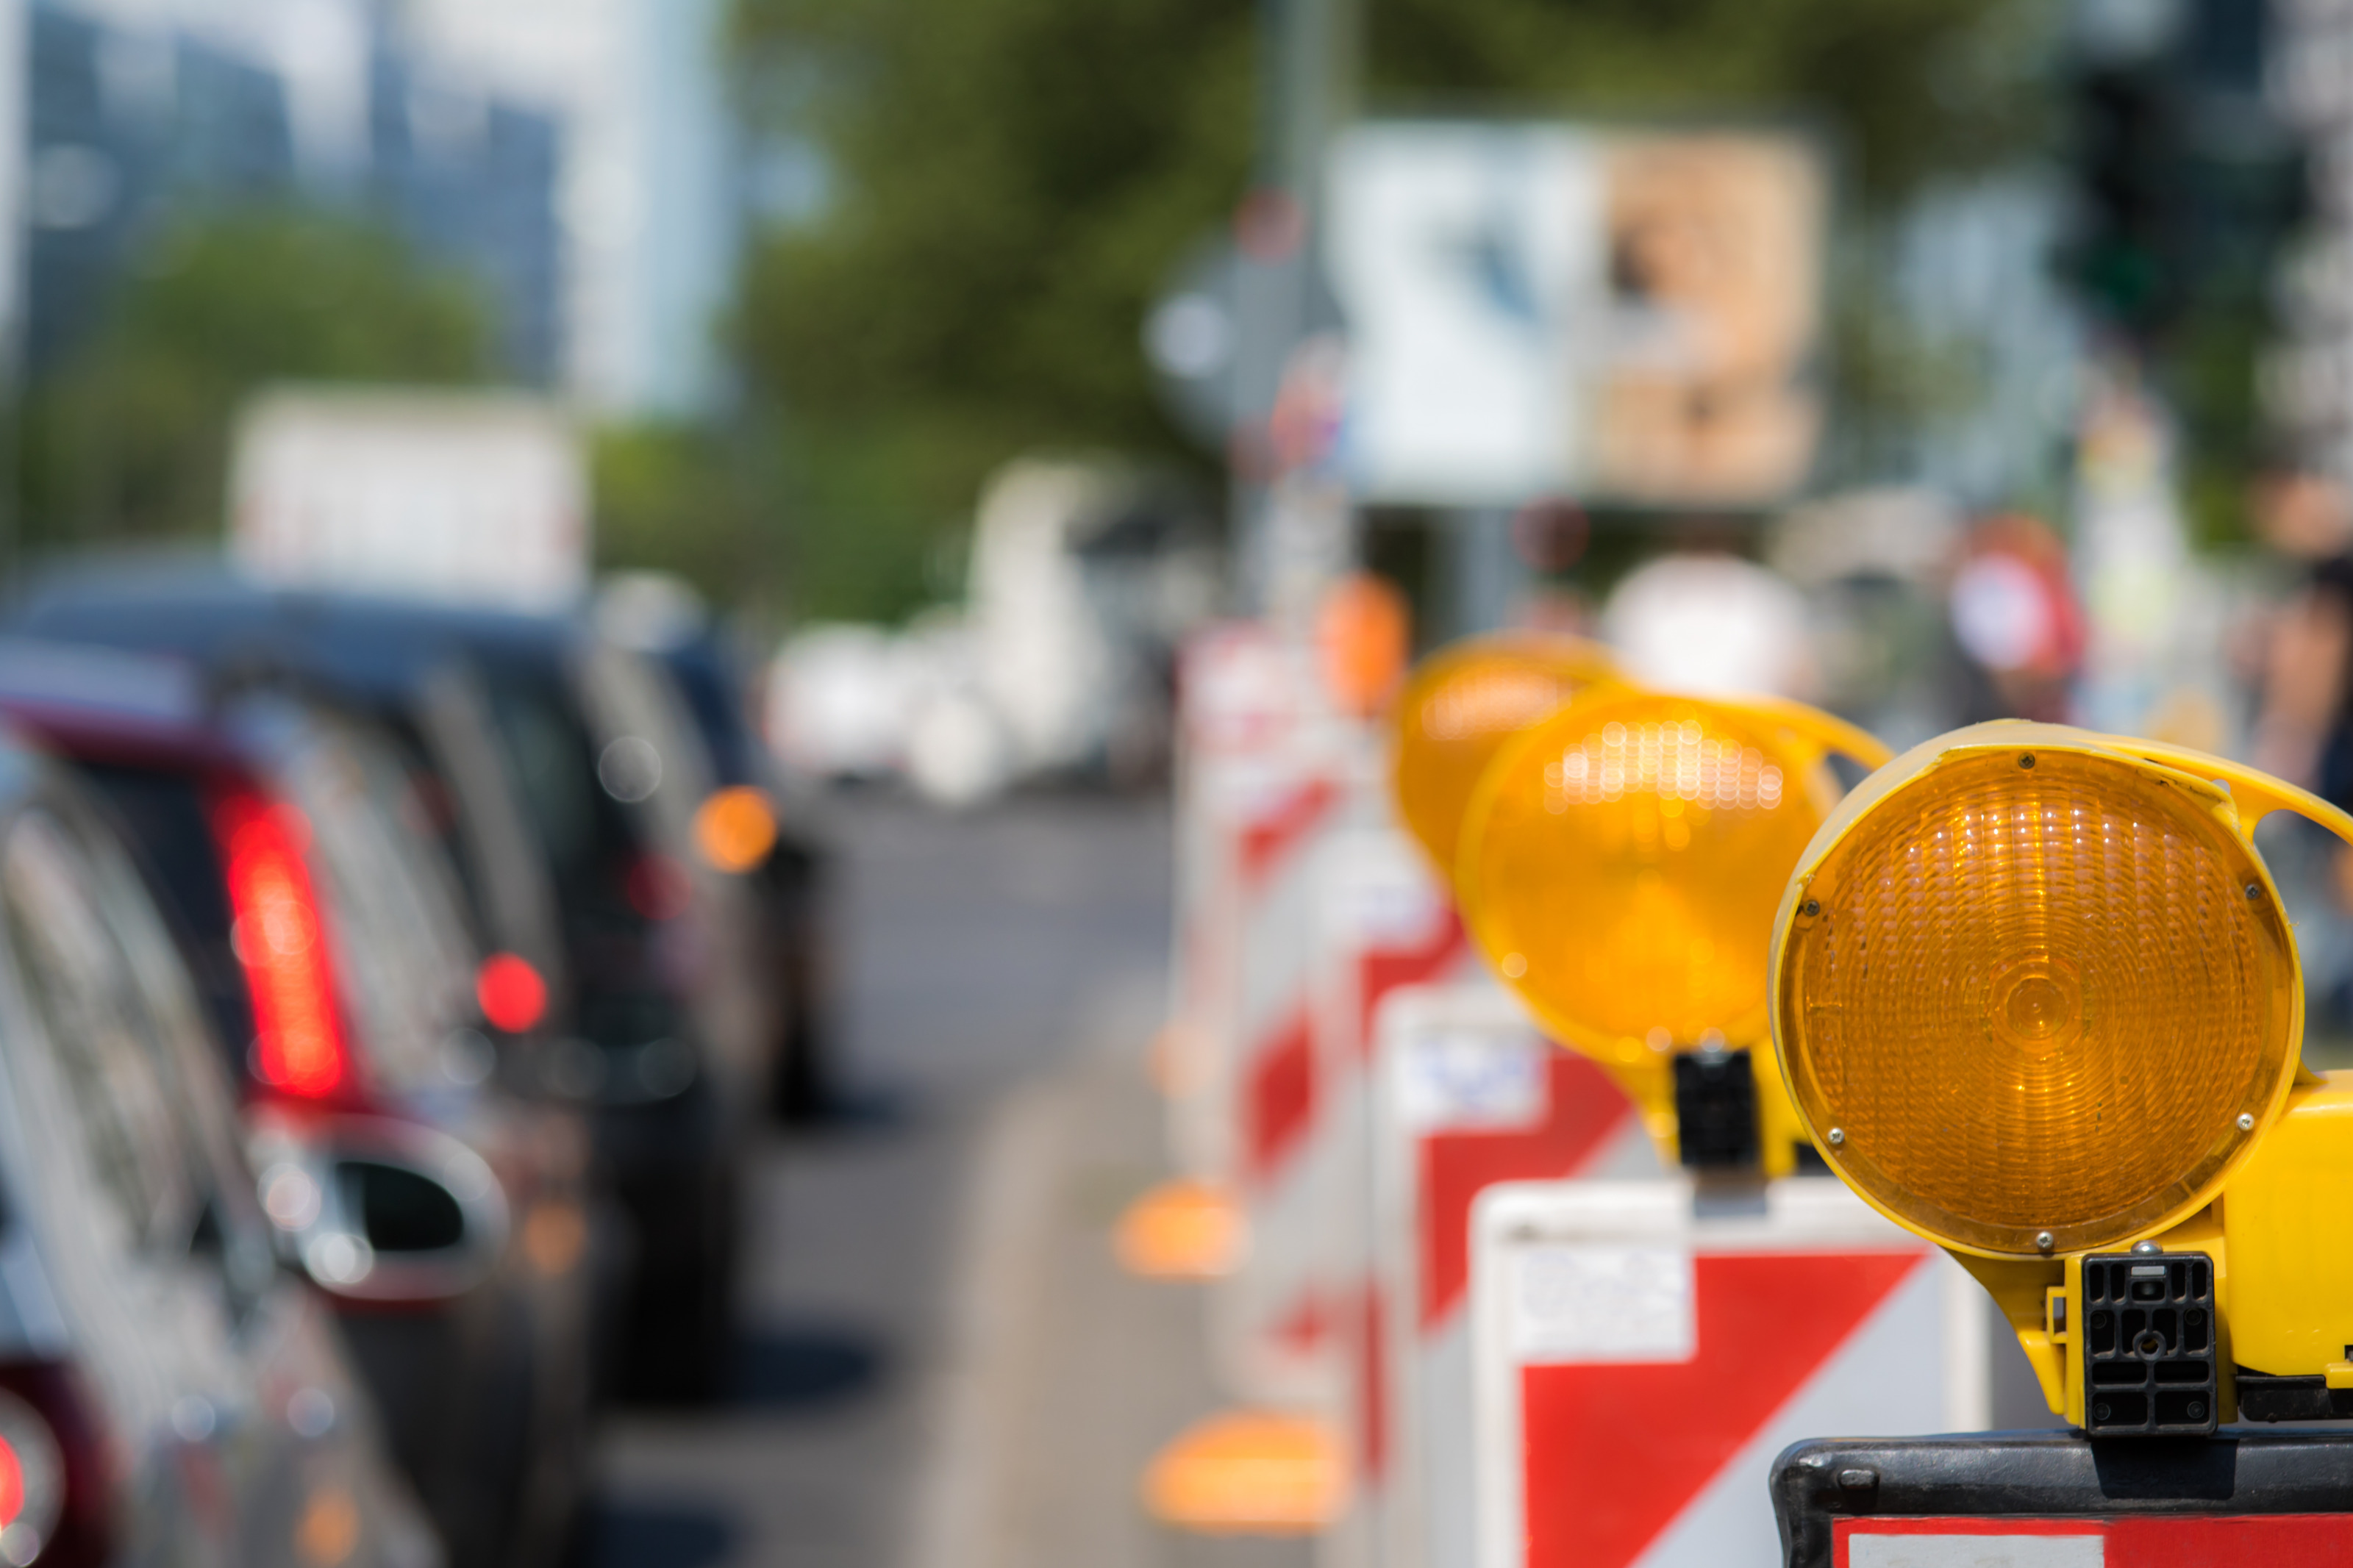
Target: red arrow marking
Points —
{"points": [[1373, 1393], [1384, 969], [1583, 1112], [1614, 1453], [1274, 836], [1282, 1095]]}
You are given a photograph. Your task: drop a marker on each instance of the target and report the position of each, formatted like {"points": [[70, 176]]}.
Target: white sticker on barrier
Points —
{"points": [[1642, 1350], [1468, 1079], [1590, 1304]]}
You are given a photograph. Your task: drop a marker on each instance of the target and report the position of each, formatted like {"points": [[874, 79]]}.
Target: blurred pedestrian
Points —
{"points": [[2303, 664], [2304, 718], [2016, 621]]}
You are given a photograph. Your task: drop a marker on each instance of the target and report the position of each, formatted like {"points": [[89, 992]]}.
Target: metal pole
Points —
{"points": [[1309, 49]]}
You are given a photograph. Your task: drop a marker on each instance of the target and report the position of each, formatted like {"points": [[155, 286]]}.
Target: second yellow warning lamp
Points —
{"points": [[1619, 864], [2037, 999], [1466, 702]]}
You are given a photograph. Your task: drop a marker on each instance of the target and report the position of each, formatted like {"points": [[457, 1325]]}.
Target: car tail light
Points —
{"points": [[512, 995], [56, 1480], [282, 945], [657, 886]]}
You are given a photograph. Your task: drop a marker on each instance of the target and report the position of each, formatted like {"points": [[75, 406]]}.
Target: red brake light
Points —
{"points": [[55, 1475], [281, 944], [511, 992]]}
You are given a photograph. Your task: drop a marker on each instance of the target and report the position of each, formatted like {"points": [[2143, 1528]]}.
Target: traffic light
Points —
{"points": [[2036, 998], [2187, 188], [1619, 865], [1458, 708]]}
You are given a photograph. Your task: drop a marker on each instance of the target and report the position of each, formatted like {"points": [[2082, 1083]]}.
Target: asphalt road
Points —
{"points": [[939, 1364]]}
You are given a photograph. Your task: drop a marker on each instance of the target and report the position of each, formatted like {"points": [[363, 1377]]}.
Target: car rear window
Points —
{"points": [[162, 811], [596, 850], [405, 958]]}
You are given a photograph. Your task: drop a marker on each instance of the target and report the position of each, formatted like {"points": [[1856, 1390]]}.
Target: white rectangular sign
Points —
{"points": [[1541, 310], [469, 497]]}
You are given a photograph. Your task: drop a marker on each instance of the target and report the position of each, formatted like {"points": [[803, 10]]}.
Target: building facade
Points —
{"points": [[572, 158]]}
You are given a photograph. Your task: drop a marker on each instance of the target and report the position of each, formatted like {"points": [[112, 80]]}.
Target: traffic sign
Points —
{"points": [[1642, 1350]]}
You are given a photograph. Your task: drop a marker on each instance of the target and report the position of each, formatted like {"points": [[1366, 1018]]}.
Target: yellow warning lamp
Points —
{"points": [[1619, 865], [2036, 998], [1461, 705]]}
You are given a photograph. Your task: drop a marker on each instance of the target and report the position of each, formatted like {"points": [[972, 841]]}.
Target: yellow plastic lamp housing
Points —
{"points": [[1461, 706], [1623, 860], [2033, 990]]}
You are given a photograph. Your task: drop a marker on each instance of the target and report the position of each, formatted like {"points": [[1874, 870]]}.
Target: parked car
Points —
{"points": [[760, 828], [168, 1393], [446, 1216], [662, 988]]}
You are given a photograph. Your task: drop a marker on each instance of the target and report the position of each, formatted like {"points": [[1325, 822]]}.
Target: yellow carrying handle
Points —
{"points": [[2254, 796], [1827, 735], [2255, 793]]}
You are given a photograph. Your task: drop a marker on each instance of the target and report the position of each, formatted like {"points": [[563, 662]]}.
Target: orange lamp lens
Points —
{"points": [[1463, 705], [2035, 991], [1623, 863]]}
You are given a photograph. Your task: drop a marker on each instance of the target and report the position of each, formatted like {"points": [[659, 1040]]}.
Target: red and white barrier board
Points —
{"points": [[1466, 1094], [2153, 1541], [1273, 794], [1244, 776], [1270, 1319], [1387, 924], [1642, 1350]]}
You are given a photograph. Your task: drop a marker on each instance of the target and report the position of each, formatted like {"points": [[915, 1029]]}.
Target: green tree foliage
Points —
{"points": [[1014, 179], [129, 440]]}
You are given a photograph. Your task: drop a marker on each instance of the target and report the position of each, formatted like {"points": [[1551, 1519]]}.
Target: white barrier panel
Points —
{"points": [[1466, 1093], [1269, 1319], [1243, 706], [1642, 1350], [1386, 924]]}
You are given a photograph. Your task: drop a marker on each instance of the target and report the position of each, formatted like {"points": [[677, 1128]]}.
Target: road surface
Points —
{"points": [[940, 1367]]}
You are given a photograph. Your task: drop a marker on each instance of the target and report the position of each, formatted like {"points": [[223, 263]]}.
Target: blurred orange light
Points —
{"points": [[735, 827], [1250, 1473], [1364, 633], [1459, 709], [1180, 1230], [555, 1237], [329, 1530], [2042, 991]]}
